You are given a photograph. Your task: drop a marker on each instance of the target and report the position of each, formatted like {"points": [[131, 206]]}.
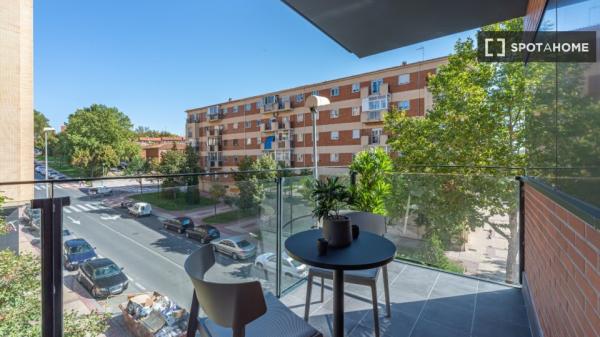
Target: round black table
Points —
{"points": [[366, 252]]}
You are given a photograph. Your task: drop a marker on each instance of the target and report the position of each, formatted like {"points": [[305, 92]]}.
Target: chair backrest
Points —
{"points": [[231, 305], [369, 222]]}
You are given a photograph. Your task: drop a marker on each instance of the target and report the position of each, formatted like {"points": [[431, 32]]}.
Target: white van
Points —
{"points": [[140, 209]]}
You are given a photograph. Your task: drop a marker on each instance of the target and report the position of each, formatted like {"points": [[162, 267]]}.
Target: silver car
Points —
{"points": [[238, 247]]}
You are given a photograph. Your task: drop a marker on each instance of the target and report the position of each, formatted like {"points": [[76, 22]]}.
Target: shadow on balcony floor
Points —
{"points": [[424, 303]]}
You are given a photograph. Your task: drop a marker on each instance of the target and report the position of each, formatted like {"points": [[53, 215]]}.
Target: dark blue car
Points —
{"points": [[76, 252]]}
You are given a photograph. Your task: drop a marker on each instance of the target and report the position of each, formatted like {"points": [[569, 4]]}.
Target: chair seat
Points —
{"points": [[277, 321], [351, 276]]}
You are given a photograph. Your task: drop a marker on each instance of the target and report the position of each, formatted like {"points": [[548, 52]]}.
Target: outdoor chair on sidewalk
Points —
{"points": [[239, 309], [366, 222]]}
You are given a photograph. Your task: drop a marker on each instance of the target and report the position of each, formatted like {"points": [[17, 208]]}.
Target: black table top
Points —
{"points": [[367, 251]]}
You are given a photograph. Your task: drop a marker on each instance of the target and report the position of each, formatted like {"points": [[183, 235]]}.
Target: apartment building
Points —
{"points": [[278, 124], [16, 97]]}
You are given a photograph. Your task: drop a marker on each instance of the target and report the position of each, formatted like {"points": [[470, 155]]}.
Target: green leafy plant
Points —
{"points": [[373, 184], [330, 195]]}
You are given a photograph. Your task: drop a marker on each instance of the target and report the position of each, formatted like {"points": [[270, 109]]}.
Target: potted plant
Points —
{"points": [[330, 196]]}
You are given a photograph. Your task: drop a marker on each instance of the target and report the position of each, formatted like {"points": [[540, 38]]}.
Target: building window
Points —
{"points": [[235, 159], [225, 110], [335, 135], [224, 142], [404, 79], [299, 157], [376, 85], [315, 93], [258, 140], [258, 123], [248, 107], [234, 109], [248, 124], [404, 105], [355, 134], [235, 142], [299, 137], [335, 91], [334, 113], [235, 125], [334, 157], [213, 110], [300, 117], [355, 87], [355, 111], [248, 141], [190, 134], [299, 98]]}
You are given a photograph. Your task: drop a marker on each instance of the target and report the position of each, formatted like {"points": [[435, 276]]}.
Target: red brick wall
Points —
{"points": [[562, 264]]}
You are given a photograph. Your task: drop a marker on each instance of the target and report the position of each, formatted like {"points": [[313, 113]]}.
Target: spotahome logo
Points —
{"points": [[536, 47]]}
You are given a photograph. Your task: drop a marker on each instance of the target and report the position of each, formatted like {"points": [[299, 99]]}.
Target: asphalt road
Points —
{"points": [[151, 256]]}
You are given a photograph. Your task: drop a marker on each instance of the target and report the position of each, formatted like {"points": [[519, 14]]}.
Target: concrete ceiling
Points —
{"points": [[367, 27]]}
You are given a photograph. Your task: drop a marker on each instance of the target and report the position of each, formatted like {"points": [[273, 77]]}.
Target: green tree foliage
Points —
{"points": [[39, 123], [217, 192], [251, 185], [191, 164], [98, 137], [171, 163], [20, 302], [144, 131], [137, 166], [373, 168], [477, 120]]}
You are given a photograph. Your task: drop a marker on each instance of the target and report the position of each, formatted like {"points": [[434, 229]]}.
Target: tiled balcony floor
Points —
{"points": [[425, 303]]}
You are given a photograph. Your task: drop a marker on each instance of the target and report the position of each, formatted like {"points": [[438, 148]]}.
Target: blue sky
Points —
{"points": [[153, 58]]}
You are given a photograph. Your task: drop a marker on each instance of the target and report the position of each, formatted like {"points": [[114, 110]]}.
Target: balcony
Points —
{"points": [[450, 287], [212, 117], [214, 144], [214, 132], [277, 106]]}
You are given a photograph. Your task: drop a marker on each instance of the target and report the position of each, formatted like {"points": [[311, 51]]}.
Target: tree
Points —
{"points": [[99, 137], [191, 164], [251, 185], [217, 192], [171, 163], [137, 166], [39, 123], [20, 286], [372, 186], [477, 120], [144, 131]]}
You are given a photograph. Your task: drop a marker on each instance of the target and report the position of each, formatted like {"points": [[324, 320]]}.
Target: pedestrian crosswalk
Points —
{"points": [[42, 187], [78, 208]]}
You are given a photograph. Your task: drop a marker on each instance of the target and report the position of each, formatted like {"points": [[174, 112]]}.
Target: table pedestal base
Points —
{"points": [[338, 303]]}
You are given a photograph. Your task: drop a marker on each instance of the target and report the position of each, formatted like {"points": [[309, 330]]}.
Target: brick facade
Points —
{"points": [[562, 265]]}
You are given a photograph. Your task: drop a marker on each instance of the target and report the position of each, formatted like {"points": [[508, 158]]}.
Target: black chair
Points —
{"points": [[366, 222], [239, 309]]}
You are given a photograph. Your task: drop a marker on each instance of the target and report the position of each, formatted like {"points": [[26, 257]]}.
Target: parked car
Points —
{"points": [[32, 218], [102, 278], [76, 252], [179, 224], [140, 209], [238, 247], [203, 233], [100, 190], [290, 267], [126, 203]]}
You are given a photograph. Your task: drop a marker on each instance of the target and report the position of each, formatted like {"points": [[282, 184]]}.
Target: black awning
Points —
{"points": [[366, 27]]}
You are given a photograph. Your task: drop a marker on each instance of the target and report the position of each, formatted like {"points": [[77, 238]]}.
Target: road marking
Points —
{"points": [[140, 286], [130, 279], [110, 217], [92, 207], [71, 208], [58, 186], [66, 210], [82, 207], [77, 222], [39, 188], [138, 244]]}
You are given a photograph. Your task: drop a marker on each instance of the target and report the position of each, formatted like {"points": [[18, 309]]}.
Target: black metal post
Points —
{"points": [[193, 321], [51, 256], [278, 233], [521, 228], [338, 303]]}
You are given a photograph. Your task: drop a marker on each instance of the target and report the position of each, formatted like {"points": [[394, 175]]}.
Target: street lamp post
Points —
{"points": [[46, 130], [313, 103]]}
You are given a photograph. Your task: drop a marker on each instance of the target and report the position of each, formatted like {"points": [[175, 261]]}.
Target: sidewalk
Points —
{"points": [[75, 297]]}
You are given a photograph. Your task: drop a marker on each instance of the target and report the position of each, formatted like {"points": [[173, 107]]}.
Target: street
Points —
{"points": [[151, 256]]}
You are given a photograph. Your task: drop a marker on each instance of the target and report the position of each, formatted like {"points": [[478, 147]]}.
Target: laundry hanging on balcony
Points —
{"points": [[268, 141]]}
